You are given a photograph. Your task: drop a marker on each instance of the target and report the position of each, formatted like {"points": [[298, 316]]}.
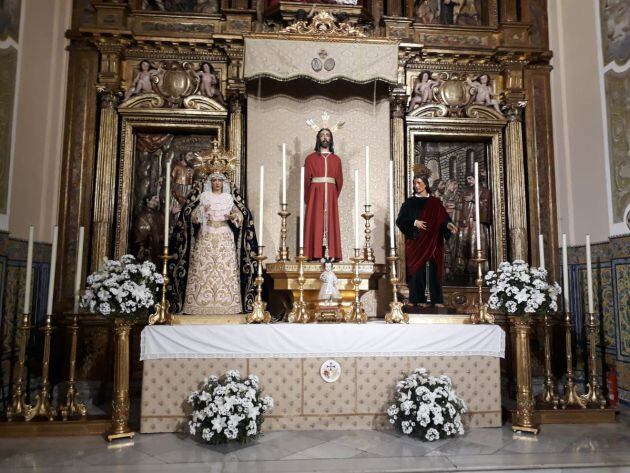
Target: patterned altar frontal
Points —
{"points": [[290, 370]]}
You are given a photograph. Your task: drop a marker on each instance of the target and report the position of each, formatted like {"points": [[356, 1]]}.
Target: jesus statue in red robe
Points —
{"points": [[323, 180]]}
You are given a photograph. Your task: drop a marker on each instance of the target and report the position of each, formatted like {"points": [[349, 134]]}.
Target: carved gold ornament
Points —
{"points": [[323, 24], [325, 123], [175, 81], [215, 161]]}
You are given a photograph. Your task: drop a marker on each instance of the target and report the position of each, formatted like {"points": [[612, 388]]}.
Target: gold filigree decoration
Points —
{"points": [[325, 123], [215, 161], [323, 24]]}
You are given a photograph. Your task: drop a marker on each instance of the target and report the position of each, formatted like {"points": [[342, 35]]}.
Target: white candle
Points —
{"points": [[261, 219], [167, 202], [565, 272], [367, 175], [29, 271], [356, 209], [392, 243], [541, 251], [53, 266], [77, 275], [284, 173], [589, 274], [302, 207], [477, 222]]}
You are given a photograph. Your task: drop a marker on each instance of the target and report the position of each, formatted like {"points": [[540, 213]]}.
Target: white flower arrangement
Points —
{"points": [[122, 288], [427, 407], [228, 408], [518, 289]]}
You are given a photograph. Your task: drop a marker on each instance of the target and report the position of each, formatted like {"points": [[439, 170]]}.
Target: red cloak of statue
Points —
{"points": [[430, 243], [316, 167]]}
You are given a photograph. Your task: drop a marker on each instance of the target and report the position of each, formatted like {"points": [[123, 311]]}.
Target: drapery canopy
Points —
{"points": [[321, 61]]}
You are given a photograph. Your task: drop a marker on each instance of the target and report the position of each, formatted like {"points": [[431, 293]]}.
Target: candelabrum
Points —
{"points": [[482, 315], [395, 314], [593, 396], [548, 395], [18, 406], [72, 406], [162, 314], [299, 312], [283, 250], [570, 397], [259, 315], [368, 252], [43, 407], [357, 314]]}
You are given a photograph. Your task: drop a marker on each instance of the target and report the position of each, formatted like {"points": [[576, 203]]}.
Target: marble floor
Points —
{"points": [[559, 448]]}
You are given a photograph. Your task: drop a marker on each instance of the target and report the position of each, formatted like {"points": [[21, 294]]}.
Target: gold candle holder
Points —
{"points": [[395, 314], [162, 314], [299, 311], [523, 417], [357, 314], [570, 397], [593, 396], [548, 395], [43, 406], [283, 250], [18, 406], [120, 399], [72, 407], [482, 315], [259, 315], [368, 252]]}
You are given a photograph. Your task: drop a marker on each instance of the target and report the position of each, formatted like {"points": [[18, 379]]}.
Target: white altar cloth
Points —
{"points": [[320, 340]]}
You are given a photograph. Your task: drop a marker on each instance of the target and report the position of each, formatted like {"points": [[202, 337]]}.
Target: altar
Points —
{"points": [[288, 359]]}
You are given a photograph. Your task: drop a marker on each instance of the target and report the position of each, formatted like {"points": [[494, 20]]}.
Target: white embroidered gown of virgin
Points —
{"points": [[213, 286]]}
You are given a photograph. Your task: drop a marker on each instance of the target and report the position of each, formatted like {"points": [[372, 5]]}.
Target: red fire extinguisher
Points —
{"points": [[613, 388]]}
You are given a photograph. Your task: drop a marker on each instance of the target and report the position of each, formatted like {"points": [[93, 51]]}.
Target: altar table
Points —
{"points": [[287, 359]]}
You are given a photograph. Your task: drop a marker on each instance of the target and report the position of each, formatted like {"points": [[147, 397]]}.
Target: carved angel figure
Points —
{"points": [[483, 92], [422, 90], [142, 81]]}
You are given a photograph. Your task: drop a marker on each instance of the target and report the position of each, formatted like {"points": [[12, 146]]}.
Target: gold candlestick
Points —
{"points": [[395, 314], [43, 407], [72, 407], [482, 315], [162, 314], [299, 311], [357, 314], [120, 399], [548, 395], [368, 252], [258, 314], [283, 250], [593, 396], [18, 406], [570, 397]]}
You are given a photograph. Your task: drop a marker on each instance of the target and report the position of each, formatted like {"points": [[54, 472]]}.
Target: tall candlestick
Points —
{"points": [[302, 207], [541, 250], [284, 173], [589, 274], [261, 219], [565, 272], [392, 243], [53, 266], [29, 271], [167, 202], [367, 175], [477, 222], [356, 208], [77, 275]]}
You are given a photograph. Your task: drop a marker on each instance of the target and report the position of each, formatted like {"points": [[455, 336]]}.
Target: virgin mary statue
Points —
{"points": [[214, 244]]}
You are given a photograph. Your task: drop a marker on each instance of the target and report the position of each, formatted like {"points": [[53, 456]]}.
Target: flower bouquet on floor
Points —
{"points": [[122, 288], [517, 289], [228, 408], [427, 407]]}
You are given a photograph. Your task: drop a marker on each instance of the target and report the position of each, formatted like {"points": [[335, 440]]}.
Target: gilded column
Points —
{"points": [[516, 198], [398, 101], [236, 134], [120, 399], [105, 182]]}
